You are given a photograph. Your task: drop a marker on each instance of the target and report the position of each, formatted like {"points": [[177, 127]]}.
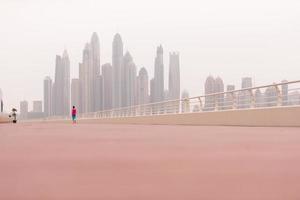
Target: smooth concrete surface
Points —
{"points": [[275, 116], [4, 118], [59, 161]]}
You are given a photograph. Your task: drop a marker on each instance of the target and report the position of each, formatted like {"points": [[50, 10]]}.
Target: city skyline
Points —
{"points": [[129, 84], [210, 39]]}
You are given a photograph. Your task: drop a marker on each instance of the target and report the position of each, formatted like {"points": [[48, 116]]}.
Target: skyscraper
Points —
{"points": [[94, 72], [86, 80], [244, 97], [127, 60], [271, 96], [219, 88], [230, 88], [230, 97], [48, 96], [152, 90], [259, 98], [185, 105], [129, 81], [117, 57], [66, 83], [159, 75], [61, 86], [23, 109], [57, 96], [174, 76], [246, 82], [174, 82], [209, 89], [75, 94], [99, 93], [107, 74], [214, 86], [37, 106], [142, 87]]}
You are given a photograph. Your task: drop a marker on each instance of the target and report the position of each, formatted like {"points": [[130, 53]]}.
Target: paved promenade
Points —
{"points": [[136, 162]]}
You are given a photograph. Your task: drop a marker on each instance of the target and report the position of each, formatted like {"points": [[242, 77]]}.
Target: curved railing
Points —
{"points": [[277, 94]]}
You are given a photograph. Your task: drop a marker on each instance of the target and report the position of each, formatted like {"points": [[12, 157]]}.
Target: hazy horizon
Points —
{"points": [[231, 39]]}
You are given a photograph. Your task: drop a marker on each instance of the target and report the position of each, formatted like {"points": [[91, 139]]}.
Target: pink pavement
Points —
{"points": [[51, 161]]}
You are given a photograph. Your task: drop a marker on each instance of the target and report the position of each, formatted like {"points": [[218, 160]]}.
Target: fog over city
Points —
{"points": [[230, 39]]}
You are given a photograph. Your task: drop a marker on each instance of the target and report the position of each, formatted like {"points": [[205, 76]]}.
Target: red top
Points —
{"points": [[74, 111]]}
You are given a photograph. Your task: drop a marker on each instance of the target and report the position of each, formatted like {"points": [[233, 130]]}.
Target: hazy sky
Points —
{"points": [[226, 38]]}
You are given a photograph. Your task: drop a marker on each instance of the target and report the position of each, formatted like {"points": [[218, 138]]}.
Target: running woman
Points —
{"points": [[74, 113]]}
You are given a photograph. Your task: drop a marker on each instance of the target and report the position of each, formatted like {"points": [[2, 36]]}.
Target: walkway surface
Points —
{"points": [[130, 162]]}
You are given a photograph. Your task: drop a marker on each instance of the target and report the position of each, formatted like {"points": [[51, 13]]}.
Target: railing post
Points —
{"points": [[279, 95], [200, 104], [252, 103], [234, 102], [216, 103]]}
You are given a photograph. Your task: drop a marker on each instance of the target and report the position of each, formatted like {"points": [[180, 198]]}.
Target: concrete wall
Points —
{"points": [[4, 119], [276, 116]]}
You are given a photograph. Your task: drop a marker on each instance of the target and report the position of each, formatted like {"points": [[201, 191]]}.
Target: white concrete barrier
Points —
{"points": [[274, 116], [4, 119]]}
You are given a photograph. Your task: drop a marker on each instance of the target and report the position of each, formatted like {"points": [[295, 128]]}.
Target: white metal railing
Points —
{"points": [[281, 94]]}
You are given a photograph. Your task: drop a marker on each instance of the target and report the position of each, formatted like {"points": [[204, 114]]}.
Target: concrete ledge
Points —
{"points": [[4, 119], [276, 116]]}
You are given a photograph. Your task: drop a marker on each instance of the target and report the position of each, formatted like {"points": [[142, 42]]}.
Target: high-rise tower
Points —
{"points": [[117, 57], [107, 74], [95, 72], [47, 96], [61, 86], [142, 87], [159, 75], [75, 94], [86, 80], [174, 77], [128, 81]]}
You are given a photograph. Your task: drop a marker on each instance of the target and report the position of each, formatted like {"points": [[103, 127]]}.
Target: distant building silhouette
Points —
{"points": [[230, 97], [99, 101], [244, 97], [212, 86], [37, 110], [107, 74], [259, 98], [174, 81], [96, 85], [117, 58], [23, 110], [270, 96], [152, 90], [86, 80], [209, 89], [75, 94], [174, 76], [159, 76], [285, 93], [142, 87], [185, 104], [47, 96], [110, 86], [219, 88], [128, 81], [294, 98], [61, 86], [37, 106], [246, 82]]}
